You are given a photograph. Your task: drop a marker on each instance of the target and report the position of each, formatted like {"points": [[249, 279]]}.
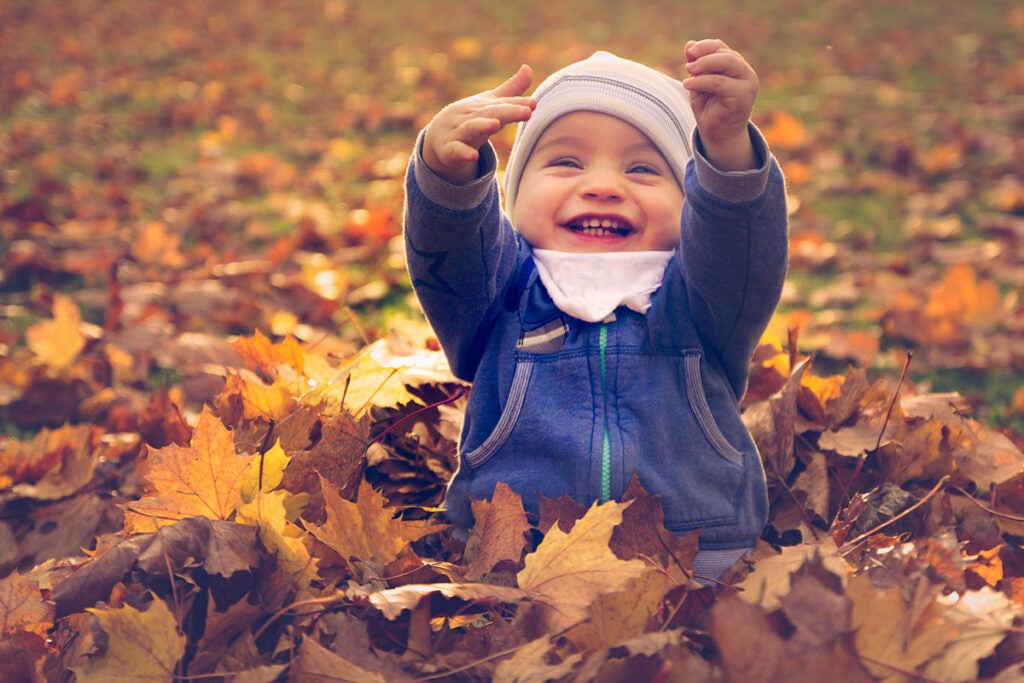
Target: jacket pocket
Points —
{"points": [[702, 411], [509, 416]]}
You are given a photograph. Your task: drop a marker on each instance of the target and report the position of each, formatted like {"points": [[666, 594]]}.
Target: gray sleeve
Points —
{"points": [[733, 255], [450, 196]]}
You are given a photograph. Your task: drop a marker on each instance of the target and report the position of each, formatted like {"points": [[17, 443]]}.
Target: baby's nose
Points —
{"points": [[599, 183]]}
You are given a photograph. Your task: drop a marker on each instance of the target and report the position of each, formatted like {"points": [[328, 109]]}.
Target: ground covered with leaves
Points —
{"points": [[226, 433]]}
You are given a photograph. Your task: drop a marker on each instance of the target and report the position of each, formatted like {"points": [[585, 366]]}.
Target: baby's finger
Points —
{"points": [[518, 84], [725, 62], [723, 87], [509, 110], [457, 153], [695, 49], [475, 132]]}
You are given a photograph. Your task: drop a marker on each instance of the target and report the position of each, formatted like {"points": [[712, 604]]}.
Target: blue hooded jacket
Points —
{"points": [[561, 406]]}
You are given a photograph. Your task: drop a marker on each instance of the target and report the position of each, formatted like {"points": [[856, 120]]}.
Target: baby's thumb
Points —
{"points": [[517, 85]]}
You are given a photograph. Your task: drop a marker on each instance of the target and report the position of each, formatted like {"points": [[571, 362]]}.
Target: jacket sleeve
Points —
{"points": [[733, 253], [461, 253]]}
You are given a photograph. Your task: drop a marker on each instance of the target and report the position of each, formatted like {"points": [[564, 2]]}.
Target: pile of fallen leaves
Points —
{"points": [[288, 530]]}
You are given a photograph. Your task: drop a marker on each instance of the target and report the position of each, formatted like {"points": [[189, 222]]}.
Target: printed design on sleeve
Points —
{"points": [[436, 259]]}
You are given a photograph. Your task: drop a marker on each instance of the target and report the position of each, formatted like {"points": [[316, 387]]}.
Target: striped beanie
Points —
{"points": [[655, 104]]}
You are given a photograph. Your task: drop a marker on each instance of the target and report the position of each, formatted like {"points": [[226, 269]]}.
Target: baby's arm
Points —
{"points": [[453, 138], [723, 87]]}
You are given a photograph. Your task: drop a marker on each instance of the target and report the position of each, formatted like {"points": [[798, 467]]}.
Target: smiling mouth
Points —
{"points": [[600, 227]]}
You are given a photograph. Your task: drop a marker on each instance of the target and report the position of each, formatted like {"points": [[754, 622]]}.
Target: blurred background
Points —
{"points": [[213, 168]]}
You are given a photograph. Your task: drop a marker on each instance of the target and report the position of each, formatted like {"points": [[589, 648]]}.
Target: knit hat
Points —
{"points": [[655, 104]]}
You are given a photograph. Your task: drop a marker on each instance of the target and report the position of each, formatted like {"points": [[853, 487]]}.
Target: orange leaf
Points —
{"points": [[261, 355], [203, 479], [784, 131], [259, 400], [366, 529]]}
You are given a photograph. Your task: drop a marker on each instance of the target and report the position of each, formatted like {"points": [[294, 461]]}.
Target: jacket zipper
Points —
{"points": [[606, 446]]}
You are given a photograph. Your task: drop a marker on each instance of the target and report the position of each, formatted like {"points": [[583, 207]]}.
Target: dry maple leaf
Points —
{"points": [[57, 343], [813, 642], [203, 479], [499, 533], [770, 579], [142, 646], [314, 663], [618, 616], [22, 607], [901, 630], [261, 355], [571, 570], [365, 530], [54, 465]]}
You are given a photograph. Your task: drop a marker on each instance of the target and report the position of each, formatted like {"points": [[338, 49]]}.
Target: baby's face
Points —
{"points": [[595, 183]]}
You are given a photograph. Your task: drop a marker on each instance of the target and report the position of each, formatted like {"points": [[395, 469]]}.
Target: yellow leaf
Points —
{"points": [[143, 646], [267, 470], [366, 529], [273, 513], [571, 570], [203, 479], [57, 343]]}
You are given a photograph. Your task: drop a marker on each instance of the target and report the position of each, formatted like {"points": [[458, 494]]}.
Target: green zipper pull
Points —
{"points": [[606, 445]]}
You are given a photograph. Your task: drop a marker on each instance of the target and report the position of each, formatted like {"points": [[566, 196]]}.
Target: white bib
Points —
{"points": [[592, 286]]}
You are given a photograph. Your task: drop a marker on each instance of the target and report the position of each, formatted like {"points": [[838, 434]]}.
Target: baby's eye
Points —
{"points": [[568, 163], [644, 168]]}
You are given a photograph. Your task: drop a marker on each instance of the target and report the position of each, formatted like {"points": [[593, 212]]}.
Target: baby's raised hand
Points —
{"points": [[455, 135], [723, 87]]}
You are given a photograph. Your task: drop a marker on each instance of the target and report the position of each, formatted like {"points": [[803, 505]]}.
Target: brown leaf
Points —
{"points": [[918, 452], [222, 548], [754, 648], [562, 511], [55, 464], [315, 663], [499, 534], [642, 533], [61, 529], [772, 423], [830, 401], [339, 457], [161, 422], [22, 608]]}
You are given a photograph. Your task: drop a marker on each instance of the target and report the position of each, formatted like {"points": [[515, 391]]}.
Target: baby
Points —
{"points": [[607, 317]]}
